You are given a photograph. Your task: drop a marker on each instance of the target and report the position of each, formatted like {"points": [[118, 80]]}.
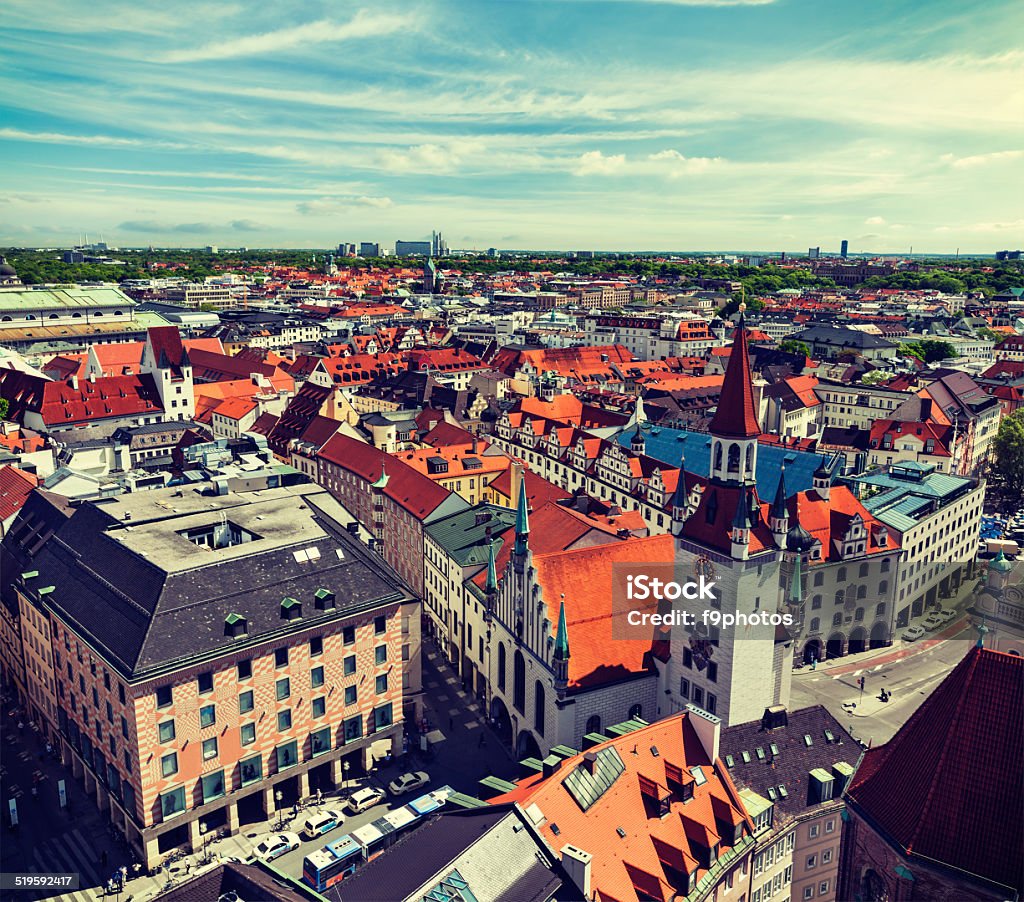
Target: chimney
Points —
{"points": [[551, 764], [517, 480], [74, 382], [92, 377], [589, 762], [774, 717], [708, 729], [576, 864]]}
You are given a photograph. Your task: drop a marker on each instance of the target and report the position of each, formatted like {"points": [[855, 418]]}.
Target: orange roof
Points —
{"points": [[638, 852], [584, 577], [236, 408], [456, 457]]}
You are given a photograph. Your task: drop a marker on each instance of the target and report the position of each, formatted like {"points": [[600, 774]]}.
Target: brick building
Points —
{"points": [[934, 813], [208, 658]]}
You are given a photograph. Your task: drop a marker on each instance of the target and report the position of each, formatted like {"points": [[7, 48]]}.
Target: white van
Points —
{"points": [[318, 824]]}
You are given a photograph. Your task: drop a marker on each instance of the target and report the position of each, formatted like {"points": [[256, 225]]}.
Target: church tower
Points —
{"points": [[734, 429]]}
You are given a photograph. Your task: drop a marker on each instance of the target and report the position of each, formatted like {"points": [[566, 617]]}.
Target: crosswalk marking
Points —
{"points": [[69, 853]]}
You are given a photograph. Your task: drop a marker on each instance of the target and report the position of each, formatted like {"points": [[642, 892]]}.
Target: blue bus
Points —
{"points": [[339, 859], [331, 864]]}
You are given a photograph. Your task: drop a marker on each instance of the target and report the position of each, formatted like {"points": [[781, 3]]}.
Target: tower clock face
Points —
{"points": [[705, 567]]}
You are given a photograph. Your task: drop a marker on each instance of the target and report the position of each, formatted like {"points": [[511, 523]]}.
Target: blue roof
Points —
{"points": [[667, 444]]}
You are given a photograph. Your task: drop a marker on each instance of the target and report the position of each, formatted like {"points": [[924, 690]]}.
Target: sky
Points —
{"points": [[541, 124]]}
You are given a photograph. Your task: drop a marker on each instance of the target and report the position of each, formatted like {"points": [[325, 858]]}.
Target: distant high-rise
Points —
{"points": [[438, 246], [346, 249], [369, 249], [844, 249], [813, 253], [412, 248]]}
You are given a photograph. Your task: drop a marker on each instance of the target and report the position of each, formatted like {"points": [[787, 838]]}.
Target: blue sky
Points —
{"points": [[605, 124]]}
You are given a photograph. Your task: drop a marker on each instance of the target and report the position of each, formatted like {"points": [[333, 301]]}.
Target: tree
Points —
{"points": [[1008, 455], [793, 346], [4, 407], [928, 350], [873, 377]]}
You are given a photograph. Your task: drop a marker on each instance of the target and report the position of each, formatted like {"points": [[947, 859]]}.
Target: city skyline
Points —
{"points": [[601, 125]]}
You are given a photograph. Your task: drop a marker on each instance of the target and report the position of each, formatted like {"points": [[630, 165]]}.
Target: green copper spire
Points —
{"points": [[796, 586], [492, 575], [562, 638], [982, 631], [382, 481], [522, 518]]}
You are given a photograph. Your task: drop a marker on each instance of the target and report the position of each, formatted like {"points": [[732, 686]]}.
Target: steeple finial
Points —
{"points": [[382, 480], [562, 636], [492, 574], [522, 518], [982, 632], [779, 509]]}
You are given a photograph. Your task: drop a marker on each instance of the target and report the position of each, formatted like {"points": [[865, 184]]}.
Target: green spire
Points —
{"points": [[1000, 563], [982, 630], [492, 575], [796, 587], [522, 518], [382, 481], [562, 637]]}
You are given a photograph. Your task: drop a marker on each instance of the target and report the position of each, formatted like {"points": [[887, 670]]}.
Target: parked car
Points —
{"points": [[947, 615], [913, 633], [408, 782], [276, 845], [933, 620], [318, 824], [363, 799]]}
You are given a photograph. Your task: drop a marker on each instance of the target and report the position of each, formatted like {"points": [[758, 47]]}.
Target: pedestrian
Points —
{"points": [[319, 797]]}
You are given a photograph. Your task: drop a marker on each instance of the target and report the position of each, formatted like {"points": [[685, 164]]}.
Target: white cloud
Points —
{"points": [[593, 162], [981, 159], [324, 205], [678, 165], [17, 134], [874, 220], [363, 25]]}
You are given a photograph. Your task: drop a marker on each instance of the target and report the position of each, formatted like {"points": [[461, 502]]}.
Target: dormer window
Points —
{"points": [[291, 608], [235, 625], [324, 599]]}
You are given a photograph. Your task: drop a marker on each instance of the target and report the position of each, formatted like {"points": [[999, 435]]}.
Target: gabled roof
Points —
{"points": [[107, 396], [637, 853], [416, 493], [15, 487], [949, 786]]}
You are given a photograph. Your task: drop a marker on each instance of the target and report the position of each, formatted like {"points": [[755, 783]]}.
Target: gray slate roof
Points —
{"points": [[148, 598]]}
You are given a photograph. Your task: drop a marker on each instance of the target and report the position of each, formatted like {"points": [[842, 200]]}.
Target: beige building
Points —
{"points": [[791, 769]]}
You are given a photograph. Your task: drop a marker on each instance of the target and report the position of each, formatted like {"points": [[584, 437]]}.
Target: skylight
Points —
{"points": [[746, 756], [586, 787], [698, 776], [760, 753], [807, 740]]}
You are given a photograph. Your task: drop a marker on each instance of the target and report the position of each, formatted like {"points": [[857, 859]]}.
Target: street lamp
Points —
{"points": [[344, 783], [202, 833], [278, 796]]}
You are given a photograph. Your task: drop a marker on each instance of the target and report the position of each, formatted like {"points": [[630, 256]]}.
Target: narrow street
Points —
{"points": [[909, 673]]}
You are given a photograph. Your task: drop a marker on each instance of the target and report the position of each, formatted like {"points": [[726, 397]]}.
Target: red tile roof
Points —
{"points": [[949, 786], [108, 396], [638, 854], [736, 416], [15, 487], [416, 493]]}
